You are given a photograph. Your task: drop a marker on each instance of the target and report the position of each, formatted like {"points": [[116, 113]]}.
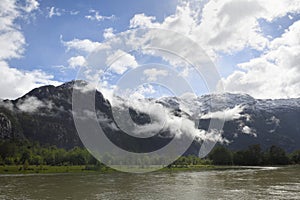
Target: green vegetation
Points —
{"points": [[31, 157], [31, 153], [16, 169], [253, 156]]}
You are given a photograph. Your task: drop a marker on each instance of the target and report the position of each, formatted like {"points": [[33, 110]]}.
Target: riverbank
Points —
{"points": [[46, 169], [32, 169]]}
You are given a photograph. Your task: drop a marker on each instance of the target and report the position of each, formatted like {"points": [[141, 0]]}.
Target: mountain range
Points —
{"points": [[45, 115]]}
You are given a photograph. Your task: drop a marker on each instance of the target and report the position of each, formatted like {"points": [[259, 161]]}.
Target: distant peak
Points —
{"points": [[71, 84]]}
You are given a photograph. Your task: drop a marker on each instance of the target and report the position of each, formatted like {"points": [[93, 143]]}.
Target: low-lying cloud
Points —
{"points": [[33, 104], [228, 114]]}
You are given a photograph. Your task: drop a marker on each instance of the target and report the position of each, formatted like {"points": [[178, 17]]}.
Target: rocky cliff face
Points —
{"points": [[45, 115], [5, 127]]}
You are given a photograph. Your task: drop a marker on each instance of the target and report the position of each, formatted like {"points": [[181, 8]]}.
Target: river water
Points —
{"points": [[258, 183]]}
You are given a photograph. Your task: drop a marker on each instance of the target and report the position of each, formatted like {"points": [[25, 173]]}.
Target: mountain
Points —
{"points": [[45, 115]]}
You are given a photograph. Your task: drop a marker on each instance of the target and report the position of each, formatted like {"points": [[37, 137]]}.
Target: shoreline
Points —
{"points": [[46, 169]]}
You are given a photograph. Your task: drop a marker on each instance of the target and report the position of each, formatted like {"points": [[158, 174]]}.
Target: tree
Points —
{"points": [[277, 156], [36, 160], [8, 149], [240, 158], [295, 157], [48, 156], [26, 155], [78, 156], [221, 156]]}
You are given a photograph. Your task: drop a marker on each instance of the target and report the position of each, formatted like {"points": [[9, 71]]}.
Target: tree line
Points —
{"points": [[253, 156], [15, 152], [32, 153]]}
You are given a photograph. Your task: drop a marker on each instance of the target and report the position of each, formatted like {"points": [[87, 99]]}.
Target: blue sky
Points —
{"points": [[44, 48], [242, 45]]}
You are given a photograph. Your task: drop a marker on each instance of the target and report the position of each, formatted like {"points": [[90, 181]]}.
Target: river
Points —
{"points": [[256, 183]]}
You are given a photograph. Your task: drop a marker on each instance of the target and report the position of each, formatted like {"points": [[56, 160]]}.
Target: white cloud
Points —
{"points": [[249, 131], [32, 104], [85, 45], [13, 82], [227, 26], [227, 114], [120, 61], [72, 12], [275, 74], [108, 33], [54, 12], [78, 61], [94, 15], [31, 5], [152, 74], [11, 38], [162, 119], [7, 104], [141, 20]]}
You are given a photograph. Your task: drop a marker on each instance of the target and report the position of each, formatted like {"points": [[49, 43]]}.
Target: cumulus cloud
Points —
{"points": [[77, 61], [31, 5], [143, 91], [230, 26], [142, 21], [120, 61], [108, 33], [219, 27], [227, 26], [275, 74], [86, 46], [32, 104], [14, 82], [152, 74]]}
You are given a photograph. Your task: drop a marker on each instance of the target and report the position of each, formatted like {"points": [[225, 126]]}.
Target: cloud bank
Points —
{"points": [[224, 27], [15, 82]]}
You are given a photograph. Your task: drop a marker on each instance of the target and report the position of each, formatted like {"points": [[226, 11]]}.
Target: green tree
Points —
{"points": [[78, 156], [295, 157], [253, 156], [277, 156], [26, 155], [221, 156], [8, 149], [36, 160], [9, 161]]}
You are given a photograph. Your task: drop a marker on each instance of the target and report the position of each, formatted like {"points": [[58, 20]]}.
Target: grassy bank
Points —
{"points": [[17, 169], [44, 169]]}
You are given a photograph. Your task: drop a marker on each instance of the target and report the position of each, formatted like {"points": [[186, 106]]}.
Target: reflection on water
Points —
{"points": [[260, 183]]}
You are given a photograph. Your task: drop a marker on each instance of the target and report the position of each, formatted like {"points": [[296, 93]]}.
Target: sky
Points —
{"points": [[253, 44]]}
